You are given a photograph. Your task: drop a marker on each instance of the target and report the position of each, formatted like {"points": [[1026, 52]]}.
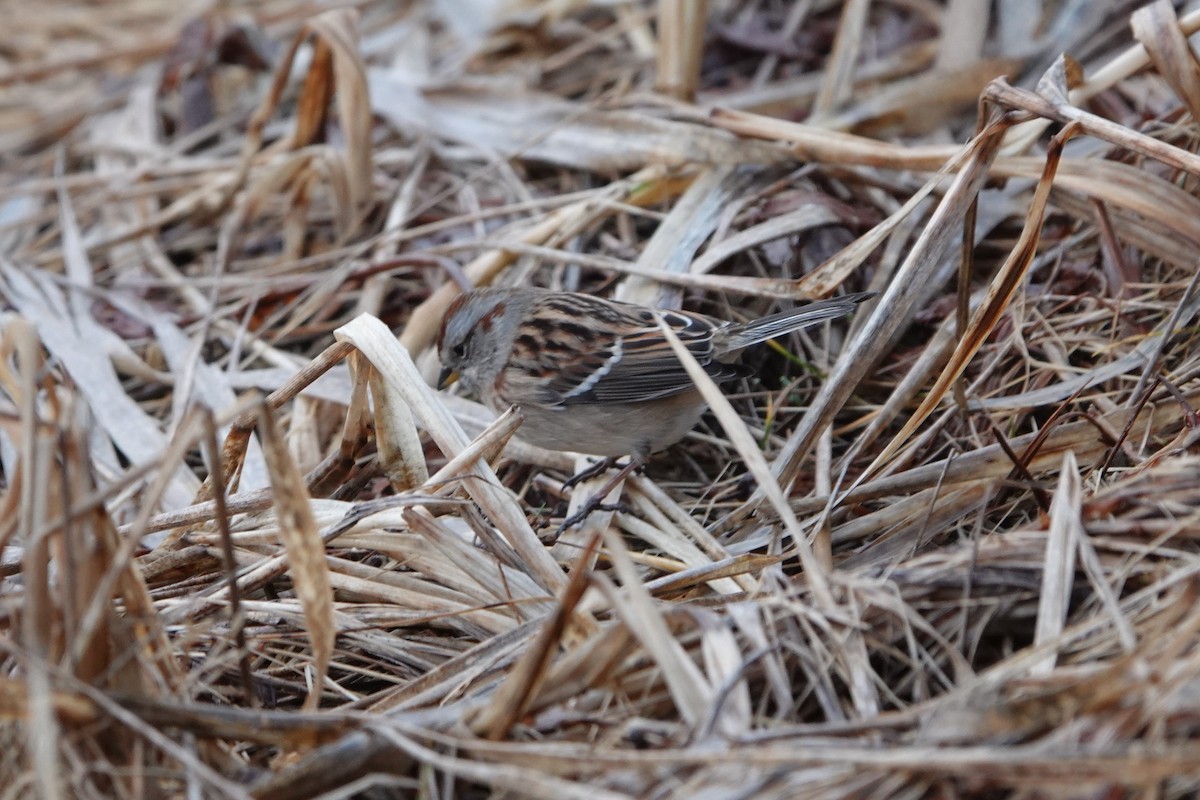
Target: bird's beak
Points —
{"points": [[447, 377]]}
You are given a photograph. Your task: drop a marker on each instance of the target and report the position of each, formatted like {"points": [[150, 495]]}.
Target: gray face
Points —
{"points": [[472, 336]]}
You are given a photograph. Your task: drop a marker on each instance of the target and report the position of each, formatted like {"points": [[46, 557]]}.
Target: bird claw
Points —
{"points": [[596, 501], [596, 469], [588, 509]]}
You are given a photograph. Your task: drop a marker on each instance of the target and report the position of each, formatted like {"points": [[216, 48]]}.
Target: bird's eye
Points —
{"points": [[459, 350]]}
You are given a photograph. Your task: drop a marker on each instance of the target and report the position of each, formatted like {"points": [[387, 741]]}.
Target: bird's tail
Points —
{"points": [[769, 327]]}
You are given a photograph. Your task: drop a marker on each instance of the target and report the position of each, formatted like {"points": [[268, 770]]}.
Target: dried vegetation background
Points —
{"points": [[947, 548]]}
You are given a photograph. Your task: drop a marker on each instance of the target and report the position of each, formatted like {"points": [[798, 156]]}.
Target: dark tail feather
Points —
{"points": [[787, 321]]}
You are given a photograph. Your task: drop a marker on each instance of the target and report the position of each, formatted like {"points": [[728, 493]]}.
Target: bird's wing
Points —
{"points": [[617, 353]]}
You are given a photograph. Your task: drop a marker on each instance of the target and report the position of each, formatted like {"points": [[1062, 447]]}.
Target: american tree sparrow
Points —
{"points": [[597, 376]]}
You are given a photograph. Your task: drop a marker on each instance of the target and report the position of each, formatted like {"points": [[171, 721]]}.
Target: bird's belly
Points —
{"points": [[612, 430]]}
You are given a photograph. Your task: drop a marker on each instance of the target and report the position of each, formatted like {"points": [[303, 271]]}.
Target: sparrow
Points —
{"points": [[598, 376]]}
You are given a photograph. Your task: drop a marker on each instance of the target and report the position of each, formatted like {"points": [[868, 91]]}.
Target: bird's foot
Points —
{"points": [[596, 469], [588, 509], [596, 501]]}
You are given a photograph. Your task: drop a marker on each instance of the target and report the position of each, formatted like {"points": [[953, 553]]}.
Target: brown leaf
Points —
{"points": [[305, 550]]}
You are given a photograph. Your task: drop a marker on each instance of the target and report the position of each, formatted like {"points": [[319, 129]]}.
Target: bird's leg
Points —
{"points": [[596, 501], [597, 468]]}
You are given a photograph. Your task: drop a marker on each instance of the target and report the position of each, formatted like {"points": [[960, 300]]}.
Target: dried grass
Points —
{"points": [[246, 551]]}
